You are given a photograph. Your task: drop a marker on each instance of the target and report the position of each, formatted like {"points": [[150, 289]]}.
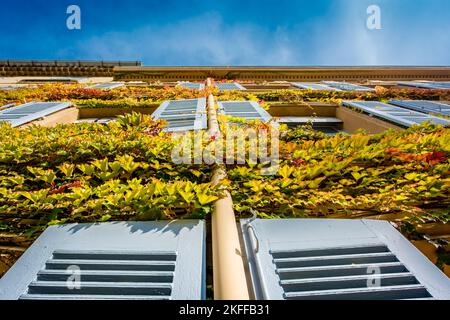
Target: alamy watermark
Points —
{"points": [[238, 146], [374, 280], [374, 18], [73, 21], [74, 279]]}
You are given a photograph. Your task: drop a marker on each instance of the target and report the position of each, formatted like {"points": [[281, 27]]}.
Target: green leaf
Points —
{"points": [[411, 176], [54, 222], [357, 176], [67, 169], [87, 169], [101, 164], [104, 218]]}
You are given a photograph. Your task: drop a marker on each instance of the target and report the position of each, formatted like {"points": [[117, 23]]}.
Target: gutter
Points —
{"points": [[230, 282]]}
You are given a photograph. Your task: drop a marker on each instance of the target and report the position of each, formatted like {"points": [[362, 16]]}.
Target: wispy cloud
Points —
{"points": [[202, 40], [337, 37], [412, 34]]}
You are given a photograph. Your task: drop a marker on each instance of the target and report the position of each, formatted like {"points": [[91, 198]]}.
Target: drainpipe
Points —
{"points": [[230, 282]]}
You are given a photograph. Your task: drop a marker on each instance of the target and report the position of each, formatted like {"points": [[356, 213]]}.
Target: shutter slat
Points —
{"points": [[382, 293], [330, 283], [110, 255], [339, 270], [335, 260], [109, 276], [55, 264], [345, 250], [108, 288]]}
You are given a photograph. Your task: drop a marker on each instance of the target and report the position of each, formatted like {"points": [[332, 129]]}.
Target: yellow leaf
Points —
{"points": [[205, 199], [411, 176], [285, 171], [196, 173], [187, 196]]}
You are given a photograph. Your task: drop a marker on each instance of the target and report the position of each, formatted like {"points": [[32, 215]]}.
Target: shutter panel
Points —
{"points": [[230, 86], [106, 86], [424, 106], [183, 115], [249, 110], [397, 115], [345, 86], [444, 84], [426, 85], [104, 120], [6, 106], [313, 86], [117, 260], [415, 85], [86, 120], [328, 125], [53, 79], [191, 85], [8, 87], [31, 111], [95, 120], [337, 259], [328, 121]]}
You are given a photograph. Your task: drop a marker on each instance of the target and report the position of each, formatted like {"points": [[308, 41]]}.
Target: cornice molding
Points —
{"points": [[281, 73]]}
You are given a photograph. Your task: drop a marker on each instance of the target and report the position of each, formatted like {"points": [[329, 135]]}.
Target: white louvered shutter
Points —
{"points": [[345, 86], [249, 110], [183, 115], [337, 259], [424, 106], [397, 115], [31, 111], [115, 260]]}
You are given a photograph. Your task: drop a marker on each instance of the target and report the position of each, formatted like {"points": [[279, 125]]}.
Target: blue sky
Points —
{"points": [[229, 32]]}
